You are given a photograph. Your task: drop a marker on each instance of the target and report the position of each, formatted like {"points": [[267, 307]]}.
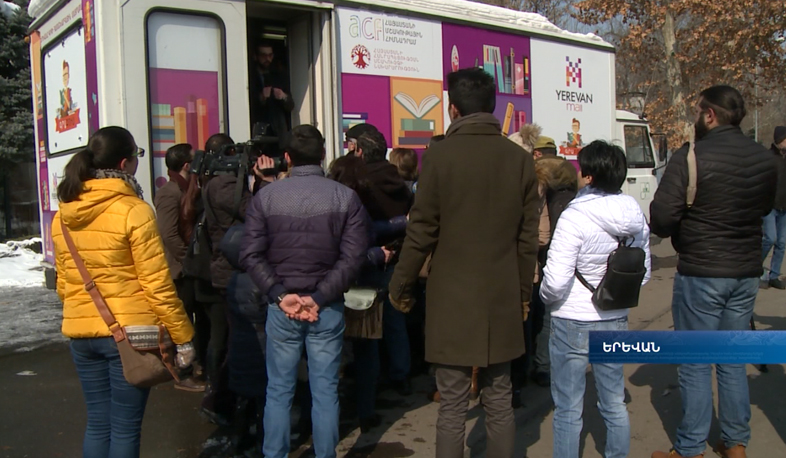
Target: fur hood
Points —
{"points": [[556, 173], [527, 136]]}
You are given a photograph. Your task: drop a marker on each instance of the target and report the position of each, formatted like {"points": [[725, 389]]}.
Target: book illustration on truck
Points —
{"points": [[416, 131], [68, 114]]}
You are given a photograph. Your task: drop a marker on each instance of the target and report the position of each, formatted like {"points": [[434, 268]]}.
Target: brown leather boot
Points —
{"points": [[738, 451], [673, 454]]}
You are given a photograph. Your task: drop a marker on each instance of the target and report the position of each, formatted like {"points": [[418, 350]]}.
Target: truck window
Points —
{"points": [[638, 149], [186, 83]]}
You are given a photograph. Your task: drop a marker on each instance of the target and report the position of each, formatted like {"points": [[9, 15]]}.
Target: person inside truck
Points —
{"points": [[271, 100]]}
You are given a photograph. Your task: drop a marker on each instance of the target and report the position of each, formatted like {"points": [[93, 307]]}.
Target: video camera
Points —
{"points": [[241, 158]]}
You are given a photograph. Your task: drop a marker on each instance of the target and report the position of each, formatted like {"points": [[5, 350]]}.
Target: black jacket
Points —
{"points": [[780, 193], [720, 235]]}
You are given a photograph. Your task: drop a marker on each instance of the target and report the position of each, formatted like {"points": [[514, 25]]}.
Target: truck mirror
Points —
{"points": [[663, 149]]}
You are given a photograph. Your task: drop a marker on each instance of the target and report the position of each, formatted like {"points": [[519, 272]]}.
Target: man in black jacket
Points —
{"points": [[775, 222], [718, 241]]}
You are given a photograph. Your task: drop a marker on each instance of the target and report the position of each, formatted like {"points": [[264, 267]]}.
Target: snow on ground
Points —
{"points": [[29, 318], [19, 265]]}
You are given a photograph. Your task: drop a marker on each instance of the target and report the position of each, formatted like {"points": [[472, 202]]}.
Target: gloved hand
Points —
{"points": [[186, 354]]}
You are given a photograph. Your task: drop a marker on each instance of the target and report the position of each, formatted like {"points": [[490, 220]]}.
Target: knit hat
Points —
{"points": [[545, 142], [780, 134], [360, 129]]}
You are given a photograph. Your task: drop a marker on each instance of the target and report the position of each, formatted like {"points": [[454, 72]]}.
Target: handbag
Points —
{"points": [[146, 352], [363, 313]]}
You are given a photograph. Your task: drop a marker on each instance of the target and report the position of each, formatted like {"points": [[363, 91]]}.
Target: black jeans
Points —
{"points": [[197, 313]]}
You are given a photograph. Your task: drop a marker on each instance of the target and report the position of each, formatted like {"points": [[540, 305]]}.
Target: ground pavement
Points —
{"points": [[44, 415]]}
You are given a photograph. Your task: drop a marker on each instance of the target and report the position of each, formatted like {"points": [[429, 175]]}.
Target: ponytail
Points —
{"points": [[77, 171]]}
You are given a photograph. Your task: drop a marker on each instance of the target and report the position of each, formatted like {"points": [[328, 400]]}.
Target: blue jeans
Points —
{"points": [[774, 229], [569, 348], [115, 408], [711, 304], [323, 341]]}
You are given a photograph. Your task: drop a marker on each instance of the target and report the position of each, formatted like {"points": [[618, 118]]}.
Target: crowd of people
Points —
{"points": [[478, 272]]}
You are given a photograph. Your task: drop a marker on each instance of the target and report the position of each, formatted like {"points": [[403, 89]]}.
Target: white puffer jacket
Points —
{"points": [[585, 235]]}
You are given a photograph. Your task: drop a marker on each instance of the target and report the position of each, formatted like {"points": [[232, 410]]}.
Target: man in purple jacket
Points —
{"points": [[305, 242]]}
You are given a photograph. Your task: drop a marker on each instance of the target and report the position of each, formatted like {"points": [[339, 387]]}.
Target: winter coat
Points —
{"points": [[115, 233], [477, 210], [220, 192], [720, 236], [247, 318], [306, 235], [780, 191], [586, 233], [558, 184], [167, 202], [389, 195]]}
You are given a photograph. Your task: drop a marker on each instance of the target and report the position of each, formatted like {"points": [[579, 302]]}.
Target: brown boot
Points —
{"points": [[738, 451], [673, 454]]}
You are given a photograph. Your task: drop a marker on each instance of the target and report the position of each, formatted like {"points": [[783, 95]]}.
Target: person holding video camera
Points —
{"points": [[271, 101], [225, 198]]}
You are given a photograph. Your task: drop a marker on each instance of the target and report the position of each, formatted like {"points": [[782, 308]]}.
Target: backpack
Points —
{"points": [[621, 284]]}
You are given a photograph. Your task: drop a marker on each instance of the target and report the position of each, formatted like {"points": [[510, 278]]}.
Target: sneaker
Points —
{"points": [[190, 385], [764, 284], [777, 283]]}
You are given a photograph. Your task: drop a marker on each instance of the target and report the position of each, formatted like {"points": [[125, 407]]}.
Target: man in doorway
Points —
{"points": [[480, 221], [775, 222], [271, 100], [718, 240]]}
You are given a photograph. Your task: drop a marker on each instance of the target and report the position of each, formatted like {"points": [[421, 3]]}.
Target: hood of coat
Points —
{"points": [[98, 195], [385, 178], [556, 174], [617, 214]]}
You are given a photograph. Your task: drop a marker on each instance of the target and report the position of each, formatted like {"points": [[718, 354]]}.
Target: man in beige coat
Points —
{"points": [[477, 210]]}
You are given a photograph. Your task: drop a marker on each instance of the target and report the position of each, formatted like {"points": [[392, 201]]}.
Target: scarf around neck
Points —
{"points": [[119, 174]]}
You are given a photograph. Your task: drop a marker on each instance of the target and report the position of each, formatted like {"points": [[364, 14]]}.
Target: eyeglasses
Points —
{"points": [[140, 152]]}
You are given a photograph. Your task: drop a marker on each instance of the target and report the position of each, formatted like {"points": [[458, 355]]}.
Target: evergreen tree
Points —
{"points": [[17, 141]]}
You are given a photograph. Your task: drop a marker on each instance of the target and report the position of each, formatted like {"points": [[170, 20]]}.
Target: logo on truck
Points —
{"points": [[572, 72], [360, 57]]}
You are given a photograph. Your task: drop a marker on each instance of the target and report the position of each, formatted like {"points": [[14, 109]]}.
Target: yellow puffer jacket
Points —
{"points": [[115, 232]]}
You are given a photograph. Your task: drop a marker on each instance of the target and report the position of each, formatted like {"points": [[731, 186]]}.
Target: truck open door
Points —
{"points": [[641, 181]]}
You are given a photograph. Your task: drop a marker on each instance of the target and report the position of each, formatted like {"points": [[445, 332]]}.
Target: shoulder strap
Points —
{"points": [[242, 181], [90, 287], [692, 175], [585, 282]]}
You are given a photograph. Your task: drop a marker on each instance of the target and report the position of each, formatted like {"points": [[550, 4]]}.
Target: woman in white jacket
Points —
{"points": [[586, 233]]}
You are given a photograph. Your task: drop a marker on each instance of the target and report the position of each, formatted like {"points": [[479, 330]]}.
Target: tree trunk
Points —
{"points": [[677, 97]]}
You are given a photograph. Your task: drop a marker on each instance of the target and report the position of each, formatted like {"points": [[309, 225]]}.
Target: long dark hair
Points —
{"points": [[106, 149], [351, 172]]}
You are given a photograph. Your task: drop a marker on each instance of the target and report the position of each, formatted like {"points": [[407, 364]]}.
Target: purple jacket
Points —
{"points": [[307, 235]]}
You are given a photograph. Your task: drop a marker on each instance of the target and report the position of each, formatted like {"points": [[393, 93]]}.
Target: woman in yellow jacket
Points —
{"points": [[115, 232]]}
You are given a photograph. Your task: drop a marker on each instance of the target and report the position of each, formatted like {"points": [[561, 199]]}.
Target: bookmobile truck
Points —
{"points": [[177, 71]]}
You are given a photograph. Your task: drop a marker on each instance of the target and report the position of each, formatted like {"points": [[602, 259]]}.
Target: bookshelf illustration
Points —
{"points": [[417, 131], [511, 77], [174, 125]]}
